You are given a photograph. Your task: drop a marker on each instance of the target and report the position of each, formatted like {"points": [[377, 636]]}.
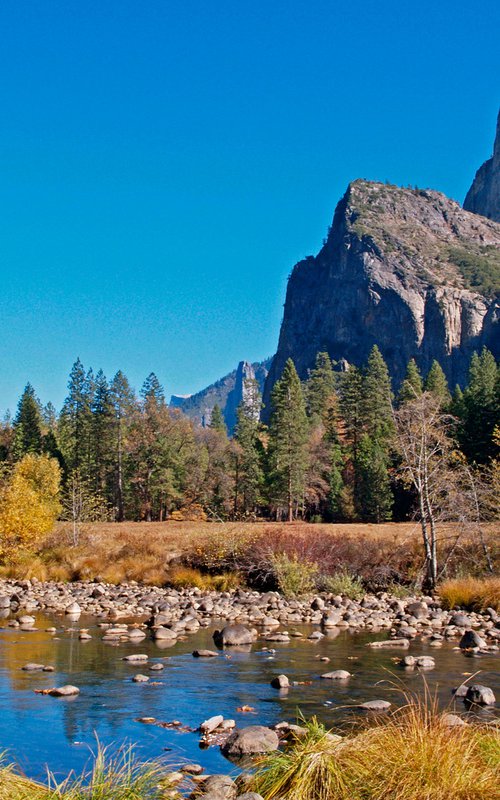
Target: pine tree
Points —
{"points": [[412, 385], [374, 498], [288, 435], [102, 431], [320, 387], [249, 476], [437, 384], [217, 422], [75, 420], [152, 391], [376, 402], [28, 424], [123, 403], [480, 408]]}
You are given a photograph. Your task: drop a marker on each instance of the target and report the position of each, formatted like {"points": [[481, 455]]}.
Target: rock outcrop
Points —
{"points": [[483, 196], [406, 269], [227, 393]]}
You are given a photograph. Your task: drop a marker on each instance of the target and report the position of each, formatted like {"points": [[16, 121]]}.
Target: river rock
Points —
{"points": [[164, 634], [73, 609], [218, 787], [33, 667], [204, 653], [250, 796], [251, 740], [480, 695], [64, 691], [459, 620], [211, 724], [233, 635], [404, 643], [452, 720], [375, 705], [470, 640], [280, 682], [135, 657], [140, 678], [336, 675]]}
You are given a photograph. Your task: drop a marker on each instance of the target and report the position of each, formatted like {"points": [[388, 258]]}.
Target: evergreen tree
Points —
{"points": [[437, 384], [249, 476], [75, 420], [480, 408], [374, 498], [123, 404], [320, 387], [102, 432], [412, 385], [376, 402], [28, 424], [152, 391], [217, 422], [288, 435]]}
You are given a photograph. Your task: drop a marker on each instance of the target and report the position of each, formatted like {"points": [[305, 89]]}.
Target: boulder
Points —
{"points": [[64, 691], [470, 640], [480, 695], [251, 740], [218, 787], [336, 675], [164, 634], [280, 682], [233, 635]]}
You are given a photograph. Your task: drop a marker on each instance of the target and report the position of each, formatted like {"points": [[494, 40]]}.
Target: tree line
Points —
{"points": [[337, 447]]}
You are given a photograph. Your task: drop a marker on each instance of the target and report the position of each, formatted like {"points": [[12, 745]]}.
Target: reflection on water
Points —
{"points": [[39, 730]]}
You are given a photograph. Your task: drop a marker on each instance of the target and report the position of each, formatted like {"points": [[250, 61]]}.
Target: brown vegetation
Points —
{"points": [[153, 553]]}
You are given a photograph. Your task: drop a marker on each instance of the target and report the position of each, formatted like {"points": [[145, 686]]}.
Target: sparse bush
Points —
{"points": [[294, 578], [473, 594], [341, 583]]}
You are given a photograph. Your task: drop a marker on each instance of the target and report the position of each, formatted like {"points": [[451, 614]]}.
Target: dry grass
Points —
{"points": [[110, 777], [473, 594], [412, 755], [149, 552]]}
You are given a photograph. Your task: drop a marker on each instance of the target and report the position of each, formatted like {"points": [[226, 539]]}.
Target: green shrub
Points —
{"points": [[342, 583], [294, 578]]}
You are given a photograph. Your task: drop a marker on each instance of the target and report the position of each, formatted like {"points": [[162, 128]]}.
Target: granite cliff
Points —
{"points": [[406, 269], [483, 196], [227, 393]]}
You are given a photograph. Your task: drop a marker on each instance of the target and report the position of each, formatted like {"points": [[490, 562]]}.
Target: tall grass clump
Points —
{"points": [[111, 777], [411, 755], [473, 594]]}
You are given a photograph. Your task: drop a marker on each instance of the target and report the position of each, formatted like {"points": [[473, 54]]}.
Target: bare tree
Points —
{"points": [[444, 484]]}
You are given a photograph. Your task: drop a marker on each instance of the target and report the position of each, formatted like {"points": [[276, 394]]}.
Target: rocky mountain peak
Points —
{"points": [[406, 269], [483, 196]]}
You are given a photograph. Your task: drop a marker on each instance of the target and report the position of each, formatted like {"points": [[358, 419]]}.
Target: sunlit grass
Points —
{"points": [[473, 594], [409, 755], [110, 777]]}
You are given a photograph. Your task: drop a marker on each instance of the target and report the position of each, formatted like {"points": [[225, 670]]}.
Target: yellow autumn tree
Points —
{"points": [[29, 505]]}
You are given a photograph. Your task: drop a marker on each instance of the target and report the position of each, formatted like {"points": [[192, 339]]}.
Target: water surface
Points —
{"points": [[40, 730]]}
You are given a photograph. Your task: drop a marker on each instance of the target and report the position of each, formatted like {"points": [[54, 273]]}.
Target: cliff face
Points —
{"points": [[483, 196], [408, 270], [227, 393]]}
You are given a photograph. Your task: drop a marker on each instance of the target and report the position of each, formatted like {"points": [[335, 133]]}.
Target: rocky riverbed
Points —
{"points": [[213, 676]]}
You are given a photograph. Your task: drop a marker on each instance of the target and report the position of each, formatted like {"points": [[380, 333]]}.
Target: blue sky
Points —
{"points": [[165, 164]]}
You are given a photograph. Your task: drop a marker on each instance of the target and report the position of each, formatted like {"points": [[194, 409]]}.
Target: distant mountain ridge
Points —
{"points": [[227, 393]]}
